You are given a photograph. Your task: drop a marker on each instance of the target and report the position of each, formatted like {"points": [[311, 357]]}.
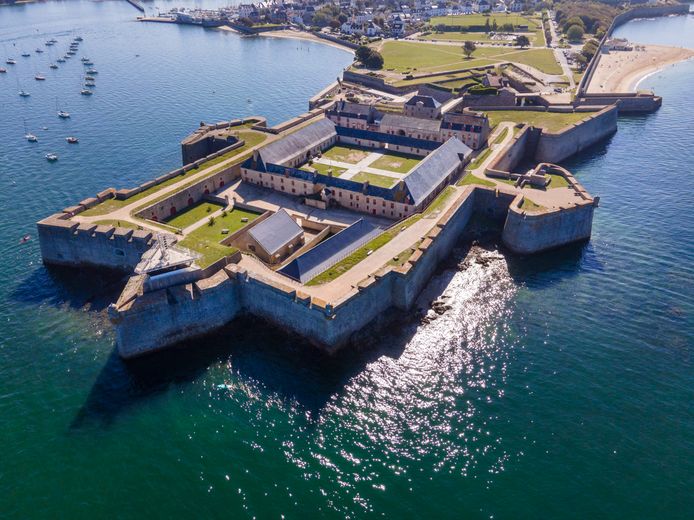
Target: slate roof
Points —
{"points": [[280, 151], [427, 101], [401, 140], [326, 254], [275, 232], [429, 173], [413, 123]]}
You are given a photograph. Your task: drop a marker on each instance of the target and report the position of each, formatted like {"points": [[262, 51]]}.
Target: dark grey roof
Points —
{"points": [[280, 151], [429, 173], [275, 232], [414, 123], [427, 101], [326, 254]]}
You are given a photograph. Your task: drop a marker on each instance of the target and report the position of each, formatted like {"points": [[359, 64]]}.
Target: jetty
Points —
{"points": [[137, 5]]}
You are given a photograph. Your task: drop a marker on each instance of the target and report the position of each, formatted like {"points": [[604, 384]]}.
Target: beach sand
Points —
{"points": [[621, 71], [295, 35]]}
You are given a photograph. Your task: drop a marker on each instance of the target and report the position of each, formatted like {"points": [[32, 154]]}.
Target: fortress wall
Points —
{"points": [[513, 152], [162, 318], [162, 210], [65, 242], [556, 147], [529, 233], [437, 246]]}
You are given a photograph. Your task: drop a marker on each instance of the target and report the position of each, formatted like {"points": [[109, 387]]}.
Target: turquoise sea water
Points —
{"points": [[557, 386]]}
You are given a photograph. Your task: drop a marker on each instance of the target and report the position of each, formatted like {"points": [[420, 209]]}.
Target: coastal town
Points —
{"points": [[326, 223]]}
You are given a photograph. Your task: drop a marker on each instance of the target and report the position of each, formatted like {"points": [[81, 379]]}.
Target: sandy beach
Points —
{"points": [[621, 71], [295, 35]]}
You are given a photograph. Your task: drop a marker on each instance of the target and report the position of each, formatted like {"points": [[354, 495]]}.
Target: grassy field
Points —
{"points": [[557, 181], [374, 179], [424, 58], [251, 137], [551, 121], [346, 154], [542, 59], [323, 168], [469, 20], [396, 163], [117, 223], [470, 179], [529, 206], [192, 214], [205, 239]]}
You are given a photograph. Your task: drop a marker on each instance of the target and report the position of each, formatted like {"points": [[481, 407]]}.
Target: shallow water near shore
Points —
{"points": [[557, 386]]}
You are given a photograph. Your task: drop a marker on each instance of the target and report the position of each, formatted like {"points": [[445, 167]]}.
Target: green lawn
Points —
{"points": [[529, 206], [323, 168], [457, 36], [542, 59], [117, 223], [470, 179], [374, 179], [557, 181], [475, 163], [193, 214], [251, 137], [550, 121], [469, 20], [404, 256], [346, 154], [396, 162], [499, 138], [205, 239], [422, 58]]}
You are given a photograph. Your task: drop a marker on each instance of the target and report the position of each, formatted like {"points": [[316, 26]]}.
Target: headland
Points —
{"points": [[330, 223]]}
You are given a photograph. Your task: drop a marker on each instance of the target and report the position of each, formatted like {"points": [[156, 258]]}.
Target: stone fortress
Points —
{"points": [[324, 224]]}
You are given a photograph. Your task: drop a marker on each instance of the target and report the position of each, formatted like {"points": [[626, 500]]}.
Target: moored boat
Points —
{"points": [[53, 66], [51, 157], [10, 61], [63, 115], [72, 140], [40, 77], [86, 92], [92, 71], [24, 93]]}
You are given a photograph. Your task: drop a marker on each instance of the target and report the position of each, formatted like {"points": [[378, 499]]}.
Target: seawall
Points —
{"points": [[528, 233], [65, 242], [149, 321]]}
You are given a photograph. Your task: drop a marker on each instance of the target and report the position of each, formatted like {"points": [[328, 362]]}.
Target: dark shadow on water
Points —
{"points": [[283, 364], [77, 288]]}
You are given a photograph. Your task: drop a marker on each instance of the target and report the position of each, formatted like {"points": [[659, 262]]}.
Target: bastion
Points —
{"points": [[321, 229]]}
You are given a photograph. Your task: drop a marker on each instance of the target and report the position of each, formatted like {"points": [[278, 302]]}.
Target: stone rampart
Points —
{"points": [[556, 147], [528, 233], [161, 210], [66, 242]]}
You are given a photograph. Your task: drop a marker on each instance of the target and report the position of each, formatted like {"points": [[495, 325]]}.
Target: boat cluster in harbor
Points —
{"points": [[89, 82]]}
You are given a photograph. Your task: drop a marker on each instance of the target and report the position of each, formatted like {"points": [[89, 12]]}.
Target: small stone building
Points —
{"points": [[275, 238]]}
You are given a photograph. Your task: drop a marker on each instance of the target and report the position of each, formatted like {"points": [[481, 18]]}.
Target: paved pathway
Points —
{"points": [[362, 166]]}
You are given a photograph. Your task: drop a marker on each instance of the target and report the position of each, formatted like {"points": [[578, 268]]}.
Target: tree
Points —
{"points": [[487, 27], [495, 26], [575, 33], [374, 61], [522, 41], [468, 48], [362, 53], [368, 57]]}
